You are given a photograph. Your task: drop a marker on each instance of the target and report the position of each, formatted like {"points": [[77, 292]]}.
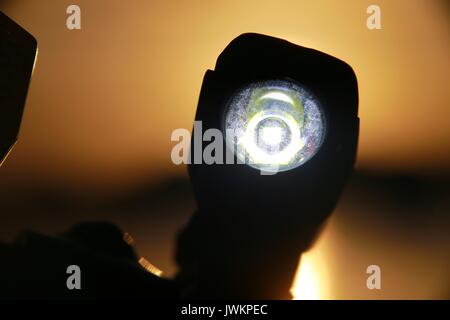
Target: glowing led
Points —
{"points": [[271, 135], [277, 125]]}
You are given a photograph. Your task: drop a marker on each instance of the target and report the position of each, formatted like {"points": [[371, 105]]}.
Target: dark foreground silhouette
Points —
{"points": [[35, 266], [250, 229]]}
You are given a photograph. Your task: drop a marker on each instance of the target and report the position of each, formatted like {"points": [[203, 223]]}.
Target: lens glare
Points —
{"points": [[274, 125]]}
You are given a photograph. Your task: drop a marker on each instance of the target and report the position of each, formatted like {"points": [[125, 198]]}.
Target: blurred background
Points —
{"points": [[95, 138]]}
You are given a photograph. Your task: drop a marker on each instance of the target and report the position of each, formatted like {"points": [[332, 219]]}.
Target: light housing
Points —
{"points": [[254, 59]]}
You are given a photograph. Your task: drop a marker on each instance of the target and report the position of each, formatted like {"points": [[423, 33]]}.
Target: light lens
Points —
{"points": [[274, 125]]}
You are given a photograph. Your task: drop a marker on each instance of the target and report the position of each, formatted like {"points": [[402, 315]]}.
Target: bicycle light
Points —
{"points": [[289, 119]]}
